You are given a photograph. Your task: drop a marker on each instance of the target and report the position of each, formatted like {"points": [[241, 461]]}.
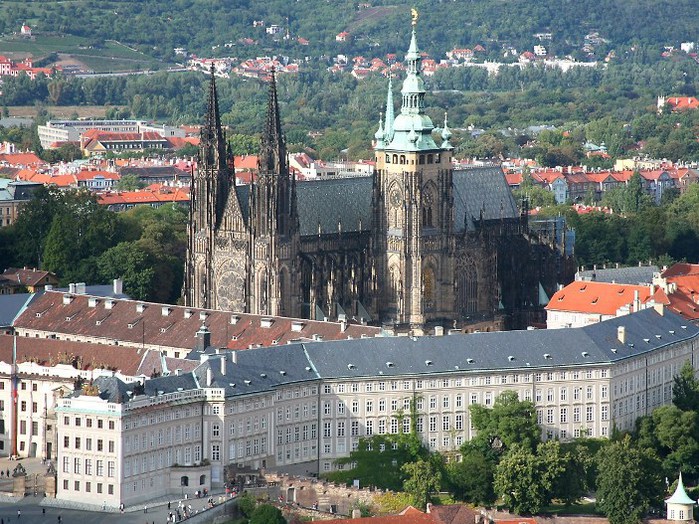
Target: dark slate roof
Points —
{"points": [[481, 188], [243, 193], [280, 365], [115, 390], [633, 275], [12, 305], [332, 200], [263, 369], [499, 350]]}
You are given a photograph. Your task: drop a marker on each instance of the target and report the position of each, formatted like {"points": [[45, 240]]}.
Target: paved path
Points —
{"points": [[38, 510]]}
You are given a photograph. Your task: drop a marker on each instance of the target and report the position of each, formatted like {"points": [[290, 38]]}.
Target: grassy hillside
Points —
{"points": [[156, 27]]}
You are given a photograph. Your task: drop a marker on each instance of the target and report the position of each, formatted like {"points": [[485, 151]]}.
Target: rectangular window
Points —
{"points": [[76, 466], [111, 468], [111, 446], [88, 467], [215, 452], [100, 444], [100, 468]]}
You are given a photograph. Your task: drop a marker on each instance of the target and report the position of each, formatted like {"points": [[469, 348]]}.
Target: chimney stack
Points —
{"points": [[203, 338], [621, 334], [118, 286], [223, 363]]}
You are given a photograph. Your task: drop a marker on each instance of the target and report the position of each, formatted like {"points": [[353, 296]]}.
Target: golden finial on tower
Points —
{"points": [[414, 15]]}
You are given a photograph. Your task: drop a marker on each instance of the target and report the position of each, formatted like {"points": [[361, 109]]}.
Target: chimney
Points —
{"points": [[439, 331], [234, 356], [203, 338], [621, 334], [660, 308], [118, 286], [343, 325], [223, 364], [209, 377], [80, 288], [71, 288], [178, 372]]}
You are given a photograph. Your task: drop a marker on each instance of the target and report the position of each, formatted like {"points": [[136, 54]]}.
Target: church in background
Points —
{"points": [[416, 245]]}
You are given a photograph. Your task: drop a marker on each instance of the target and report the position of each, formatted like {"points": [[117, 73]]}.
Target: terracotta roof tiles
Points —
{"points": [[596, 297]]}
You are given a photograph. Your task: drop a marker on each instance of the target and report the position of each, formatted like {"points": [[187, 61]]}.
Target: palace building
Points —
{"points": [[416, 244]]}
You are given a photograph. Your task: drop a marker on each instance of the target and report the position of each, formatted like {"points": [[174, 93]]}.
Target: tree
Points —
{"points": [[267, 514], [685, 388], [131, 263], [471, 478], [129, 183], [524, 480], [574, 480], [510, 421], [628, 482], [246, 504], [422, 478]]}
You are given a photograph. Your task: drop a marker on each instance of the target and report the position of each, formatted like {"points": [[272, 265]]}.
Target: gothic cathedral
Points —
{"points": [[416, 244]]}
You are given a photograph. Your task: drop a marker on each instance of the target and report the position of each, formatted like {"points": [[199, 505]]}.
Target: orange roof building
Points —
{"points": [[582, 303]]}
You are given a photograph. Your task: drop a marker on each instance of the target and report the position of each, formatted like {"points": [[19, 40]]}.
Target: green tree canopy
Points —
{"points": [[422, 478], [685, 388], [267, 514], [628, 481], [510, 421]]}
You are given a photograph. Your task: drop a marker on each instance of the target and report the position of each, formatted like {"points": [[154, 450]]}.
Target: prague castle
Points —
{"points": [[417, 244]]}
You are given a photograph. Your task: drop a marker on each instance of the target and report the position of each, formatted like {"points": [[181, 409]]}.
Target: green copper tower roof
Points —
{"points": [[412, 129], [680, 495]]}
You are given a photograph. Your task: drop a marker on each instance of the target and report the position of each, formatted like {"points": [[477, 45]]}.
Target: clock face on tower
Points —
{"points": [[396, 197]]}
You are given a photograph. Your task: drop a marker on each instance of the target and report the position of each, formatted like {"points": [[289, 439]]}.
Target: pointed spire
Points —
{"points": [[212, 144], [446, 134], [379, 135], [272, 158], [388, 127]]}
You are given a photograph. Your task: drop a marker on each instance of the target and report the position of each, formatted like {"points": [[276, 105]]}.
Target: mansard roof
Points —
{"points": [[328, 202], [481, 189], [620, 275], [263, 369], [597, 344], [133, 322]]}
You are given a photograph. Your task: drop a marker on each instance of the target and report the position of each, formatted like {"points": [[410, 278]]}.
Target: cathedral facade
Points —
{"points": [[416, 244]]}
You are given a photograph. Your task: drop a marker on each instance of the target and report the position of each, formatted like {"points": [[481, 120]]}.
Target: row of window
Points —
{"points": [[88, 487], [407, 385], [84, 467], [78, 444], [89, 422]]}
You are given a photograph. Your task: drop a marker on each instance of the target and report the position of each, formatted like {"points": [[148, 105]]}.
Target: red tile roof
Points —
{"points": [[177, 328], [29, 277], [49, 352], [409, 515], [596, 297]]}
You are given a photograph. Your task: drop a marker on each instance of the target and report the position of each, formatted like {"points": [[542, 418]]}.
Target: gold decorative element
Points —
{"points": [[414, 15]]}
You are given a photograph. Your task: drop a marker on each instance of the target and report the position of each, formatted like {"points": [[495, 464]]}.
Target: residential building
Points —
{"points": [[582, 303], [13, 194], [55, 132], [22, 280]]}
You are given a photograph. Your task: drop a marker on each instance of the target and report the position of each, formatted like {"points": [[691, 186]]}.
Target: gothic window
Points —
{"points": [[422, 159], [467, 292], [402, 159], [388, 159], [395, 159], [262, 294], [436, 159], [428, 291], [427, 204], [283, 291], [429, 158]]}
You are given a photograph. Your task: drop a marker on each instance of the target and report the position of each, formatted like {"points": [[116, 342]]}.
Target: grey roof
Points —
{"points": [[115, 390], [243, 194], [263, 369], [330, 201], [258, 369], [12, 305], [633, 275], [481, 189]]}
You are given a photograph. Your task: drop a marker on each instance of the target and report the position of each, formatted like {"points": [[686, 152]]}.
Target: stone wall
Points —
{"points": [[329, 497]]}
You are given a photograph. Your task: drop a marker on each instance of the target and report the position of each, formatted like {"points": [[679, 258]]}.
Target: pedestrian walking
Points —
{"points": [[145, 509], [19, 513]]}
